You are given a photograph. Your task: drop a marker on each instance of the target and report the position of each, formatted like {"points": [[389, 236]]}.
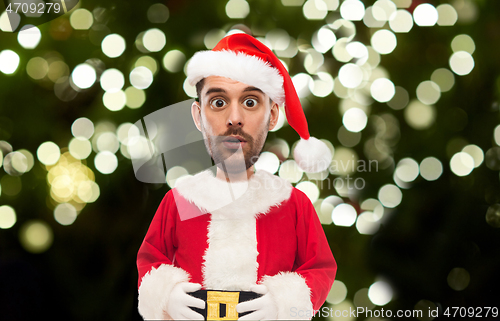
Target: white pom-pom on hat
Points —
{"points": [[312, 155]]}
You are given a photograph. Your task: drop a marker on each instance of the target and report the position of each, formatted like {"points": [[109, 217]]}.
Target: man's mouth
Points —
{"points": [[234, 142]]}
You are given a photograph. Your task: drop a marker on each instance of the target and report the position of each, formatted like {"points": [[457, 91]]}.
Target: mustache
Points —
{"points": [[236, 132]]}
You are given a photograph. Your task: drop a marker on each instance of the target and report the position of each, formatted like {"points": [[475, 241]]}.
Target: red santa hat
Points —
{"points": [[243, 58]]}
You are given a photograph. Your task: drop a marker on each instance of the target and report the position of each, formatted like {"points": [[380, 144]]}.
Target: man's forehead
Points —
{"points": [[222, 84]]}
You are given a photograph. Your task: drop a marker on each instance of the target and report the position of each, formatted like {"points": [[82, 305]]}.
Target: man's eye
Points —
{"points": [[218, 103], [250, 102]]}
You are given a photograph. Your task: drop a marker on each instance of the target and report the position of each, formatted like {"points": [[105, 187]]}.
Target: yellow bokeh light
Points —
{"points": [[7, 217], [447, 15], [112, 80], [443, 78], [310, 189], [290, 171], [315, 9], [113, 45], [337, 293], [80, 147], [462, 164], [476, 152], [419, 116], [154, 40], [114, 101], [48, 153], [401, 21], [268, 162], [390, 195], [380, 293], [37, 68], [106, 162], [237, 9], [458, 279], [382, 90], [174, 60], [463, 43], [135, 98], [428, 92], [148, 62], [84, 76], [81, 19], [344, 215], [36, 236]]}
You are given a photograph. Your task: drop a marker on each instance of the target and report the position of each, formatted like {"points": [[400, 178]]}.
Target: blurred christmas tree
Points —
{"points": [[405, 93]]}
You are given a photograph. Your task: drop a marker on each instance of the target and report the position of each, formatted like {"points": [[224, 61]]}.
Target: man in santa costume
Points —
{"points": [[241, 243]]}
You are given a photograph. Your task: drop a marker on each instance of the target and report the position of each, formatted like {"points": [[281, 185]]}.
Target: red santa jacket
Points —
{"points": [[230, 236]]}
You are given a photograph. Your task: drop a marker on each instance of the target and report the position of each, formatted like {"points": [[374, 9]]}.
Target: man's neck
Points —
{"points": [[235, 177]]}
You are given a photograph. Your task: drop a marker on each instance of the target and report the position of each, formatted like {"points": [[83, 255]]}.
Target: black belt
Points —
{"points": [[221, 305]]}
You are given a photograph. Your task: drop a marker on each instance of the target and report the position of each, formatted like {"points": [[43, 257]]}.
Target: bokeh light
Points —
{"points": [[113, 45], [425, 15], [431, 168], [158, 13], [354, 119], [337, 293], [154, 40], [84, 76], [81, 19], [353, 10], [458, 279], [384, 41], [82, 127], [9, 61], [310, 189], [290, 171], [447, 15], [344, 215], [407, 170], [382, 90], [114, 101], [36, 236], [461, 63], [237, 9], [419, 116], [29, 37], [7, 217], [48, 153], [401, 21], [444, 78], [315, 9], [267, 161], [65, 214], [390, 195], [462, 164], [174, 60], [106, 162], [141, 77], [112, 80], [463, 43], [380, 293], [428, 92]]}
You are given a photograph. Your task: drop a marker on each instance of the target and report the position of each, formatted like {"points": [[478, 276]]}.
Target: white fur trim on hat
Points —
{"points": [[238, 66], [291, 294], [155, 289], [312, 155]]}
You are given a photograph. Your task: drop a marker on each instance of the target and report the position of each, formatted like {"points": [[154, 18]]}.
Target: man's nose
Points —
{"points": [[235, 115]]}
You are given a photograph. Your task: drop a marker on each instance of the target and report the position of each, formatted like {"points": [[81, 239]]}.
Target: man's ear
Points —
{"points": [[275, 112], [196, 114]]}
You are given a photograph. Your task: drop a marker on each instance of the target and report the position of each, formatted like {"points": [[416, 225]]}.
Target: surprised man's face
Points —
{"points": [[233, 115]]}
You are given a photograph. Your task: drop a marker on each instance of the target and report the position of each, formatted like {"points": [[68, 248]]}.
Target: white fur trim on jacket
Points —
{"points": [[291, 294], [155, 289], [238, 66], [230, 261]]}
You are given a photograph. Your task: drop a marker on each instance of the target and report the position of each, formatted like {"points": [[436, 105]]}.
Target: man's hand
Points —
{"points": [[179, 302], [264, 307]]}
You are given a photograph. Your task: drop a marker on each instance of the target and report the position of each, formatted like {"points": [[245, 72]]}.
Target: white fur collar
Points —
{"points": [[234, 200]]}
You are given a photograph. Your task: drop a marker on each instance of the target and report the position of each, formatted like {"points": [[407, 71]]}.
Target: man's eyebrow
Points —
{"points": [[215, 90], [251, 88]]}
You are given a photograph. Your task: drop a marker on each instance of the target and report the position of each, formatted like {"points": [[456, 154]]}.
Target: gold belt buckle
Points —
{"points": [[214, 301]]}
